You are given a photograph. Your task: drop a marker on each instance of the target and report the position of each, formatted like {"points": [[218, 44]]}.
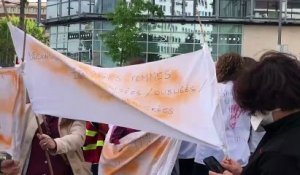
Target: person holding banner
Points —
{"points": [[62, 138], [237, 123], [271, 92], [9, 167]]}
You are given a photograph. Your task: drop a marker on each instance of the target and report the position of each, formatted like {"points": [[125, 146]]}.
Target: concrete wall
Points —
{"points": [[257, 39]]}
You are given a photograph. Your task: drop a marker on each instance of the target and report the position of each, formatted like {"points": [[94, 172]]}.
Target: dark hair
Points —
{"points": [[272, 83], [228, 67], [248, 62]]}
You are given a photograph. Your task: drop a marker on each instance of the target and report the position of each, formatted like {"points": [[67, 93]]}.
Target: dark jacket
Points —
{"points": [[278, 153]]}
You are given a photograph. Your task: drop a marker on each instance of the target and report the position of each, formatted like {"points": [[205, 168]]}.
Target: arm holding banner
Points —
{"points": [[11, 167], [72, 141]]}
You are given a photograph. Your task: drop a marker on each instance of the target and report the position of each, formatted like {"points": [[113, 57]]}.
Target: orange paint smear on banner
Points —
{"points": [[6, 105], [129, 156], [21, 99], [149, 148], [159, 147], [89, 72], [131, 168], [7, 101], [57, 66], [5, 140]]}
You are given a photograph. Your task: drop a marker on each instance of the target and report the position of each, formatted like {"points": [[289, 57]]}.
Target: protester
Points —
{"points": [[186, 157], [62, 138], [271, 90], [237, 123], [95, 136], [9, 167]]}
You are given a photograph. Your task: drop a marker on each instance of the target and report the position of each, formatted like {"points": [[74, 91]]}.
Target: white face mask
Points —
{"points": [[262, 119]]}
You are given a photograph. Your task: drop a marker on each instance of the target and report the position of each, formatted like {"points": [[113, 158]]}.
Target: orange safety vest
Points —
{"points": [[95, 135]]}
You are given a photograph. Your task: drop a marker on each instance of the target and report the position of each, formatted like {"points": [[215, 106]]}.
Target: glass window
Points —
{"points": [[178, 7], [85, 57], [143, 37], [73, 27], [53, 29], [97, 34], [61, 38], [73, 46], [229, 48], [160, 37], [53, 38], [97, 45], [74, 55], [189, 8], [103, 25], [293, 9], [74, 7], [205, 7], [143, 46], [87, 6], [61, 47], [156, 27], [266, 9], [65, 11], [86, 26], [52, 11], [214, 49], [106, 61], [53, 45], [230, 8], [185, 48], [166, 6], [52, 2], [197, 47], [153, 47], [107, 25], [230, 28], [108, 6], [96, 59], [154, 57], [86, 45]]}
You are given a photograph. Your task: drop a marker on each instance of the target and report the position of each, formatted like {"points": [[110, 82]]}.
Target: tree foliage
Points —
{"points": [[122, 40], [7, 51]]}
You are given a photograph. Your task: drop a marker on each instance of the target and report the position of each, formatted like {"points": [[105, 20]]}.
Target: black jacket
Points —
{"points": [[278, 153]]}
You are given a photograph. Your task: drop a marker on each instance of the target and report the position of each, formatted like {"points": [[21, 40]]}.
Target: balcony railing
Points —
{"points": [[211, 10]]}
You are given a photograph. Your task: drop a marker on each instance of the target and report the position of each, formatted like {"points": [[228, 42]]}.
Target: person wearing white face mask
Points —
{"points": [[271, 88]]}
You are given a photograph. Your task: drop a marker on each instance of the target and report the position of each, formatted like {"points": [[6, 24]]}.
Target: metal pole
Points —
{"points": [[39, 11], [46, 152], [217, 8], [251, 9], [280, 25], [285, 9], [22, 14]]}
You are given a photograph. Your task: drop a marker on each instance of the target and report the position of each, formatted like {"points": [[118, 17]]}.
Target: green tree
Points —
{"points": [[122, 40], [7, 51]]}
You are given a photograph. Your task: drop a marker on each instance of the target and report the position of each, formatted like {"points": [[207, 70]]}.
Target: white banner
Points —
{"points": [[176, 97], [12, 109], [139, 153]]}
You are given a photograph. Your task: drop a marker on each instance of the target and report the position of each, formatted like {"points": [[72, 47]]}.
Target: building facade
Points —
{"points": [[247, 27], [31, 10]]}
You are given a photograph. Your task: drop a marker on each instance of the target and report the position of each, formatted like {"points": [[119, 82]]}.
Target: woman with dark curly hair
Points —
{"points": [[237, 122], [271, 90], [228, 67]]}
